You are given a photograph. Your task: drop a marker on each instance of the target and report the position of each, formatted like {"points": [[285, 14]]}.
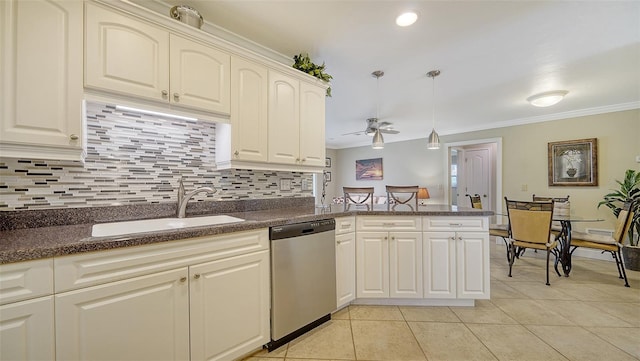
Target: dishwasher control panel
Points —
{"points": [[302, 229]]}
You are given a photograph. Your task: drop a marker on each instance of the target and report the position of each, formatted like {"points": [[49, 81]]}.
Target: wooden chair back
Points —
{"points": [[623, 223], [476, 201], [530, 221], [367, 192], [402, 195]]}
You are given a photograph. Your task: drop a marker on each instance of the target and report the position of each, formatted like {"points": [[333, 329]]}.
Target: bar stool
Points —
{"points": [[351, 192], [408, 192]]}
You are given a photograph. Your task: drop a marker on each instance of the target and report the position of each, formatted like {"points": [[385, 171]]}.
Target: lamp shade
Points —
{"points": [[423, 193], [378, 141], [434, 140]]}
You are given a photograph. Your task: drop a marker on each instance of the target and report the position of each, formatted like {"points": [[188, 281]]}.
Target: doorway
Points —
{"points": [[475, 167]]}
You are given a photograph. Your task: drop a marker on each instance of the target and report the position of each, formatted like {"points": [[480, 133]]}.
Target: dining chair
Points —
{"points": [[496, 230], [402, 195], [562, 207], [358, 195], [611, 244], [530, 226]]}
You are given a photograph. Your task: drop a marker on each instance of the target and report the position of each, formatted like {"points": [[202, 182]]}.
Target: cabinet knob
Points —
{"points": [[339, 242], [236, 153], [459, 238], [183, 279], [164, 94], [385, 238], [393, 238], [304, 159], [176, 97], [297, 160], [74, 137], [196, 276]]}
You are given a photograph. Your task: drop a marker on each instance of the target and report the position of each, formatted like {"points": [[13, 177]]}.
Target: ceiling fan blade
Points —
{"points": [[353, 133], [389, 131]]}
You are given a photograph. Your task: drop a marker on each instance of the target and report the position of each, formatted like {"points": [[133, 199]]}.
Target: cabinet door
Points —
{"points": [[439, 264], [345, 268], [372, 264], [27, 331], [312, 119], [472, 265], [284, 119], [200, 76], [41, 78], [143, 318], [405, 265], [229, 306], [249, 127], [125, 55]]}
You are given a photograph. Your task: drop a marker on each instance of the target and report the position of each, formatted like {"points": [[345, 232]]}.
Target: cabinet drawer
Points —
{"points": [[455, 223], [25, 280], [94, 268], [345, 225], [384, 223]]}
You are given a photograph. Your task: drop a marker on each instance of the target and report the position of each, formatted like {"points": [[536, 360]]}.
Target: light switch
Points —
{"points": [[525, 187], [637, 158]]}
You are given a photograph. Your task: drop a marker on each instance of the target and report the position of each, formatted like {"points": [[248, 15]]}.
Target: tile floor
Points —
{"points": [[588, 316]]}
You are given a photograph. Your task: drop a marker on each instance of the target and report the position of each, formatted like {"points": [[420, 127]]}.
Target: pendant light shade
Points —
{"points": [[434, 140], [378, 141]]}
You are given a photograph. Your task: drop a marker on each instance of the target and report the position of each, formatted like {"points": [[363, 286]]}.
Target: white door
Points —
{"points": [[143, 318], [478, 175], [372, 264], [405, 265], [229, 306], [200, 76], [345, 268], [27, 331], [284, 119], [472, 260], [125, 55], [41, 79], [249, 127], [312, 120], [439, 265]]}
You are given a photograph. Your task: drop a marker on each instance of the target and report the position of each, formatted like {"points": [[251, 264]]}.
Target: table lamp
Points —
{"points": [[423, 194]]}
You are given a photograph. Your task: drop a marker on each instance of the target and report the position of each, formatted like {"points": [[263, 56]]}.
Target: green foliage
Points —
{"points": [[629, 192], [303, 63]]}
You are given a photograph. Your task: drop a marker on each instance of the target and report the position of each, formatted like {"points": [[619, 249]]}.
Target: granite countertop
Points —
{"points": [[28, 243]]}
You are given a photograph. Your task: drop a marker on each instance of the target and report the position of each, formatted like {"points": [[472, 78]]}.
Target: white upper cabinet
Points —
{"points": [[41, 79], [312, 120], [284, 119], [130, 56]]}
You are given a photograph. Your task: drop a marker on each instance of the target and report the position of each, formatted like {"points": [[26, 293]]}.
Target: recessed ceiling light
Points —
{"points": [[406, 19], [547, 99]]}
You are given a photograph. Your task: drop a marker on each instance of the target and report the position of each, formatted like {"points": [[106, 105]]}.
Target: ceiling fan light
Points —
{"points": [[378, 141], [547, 99], [433, 142], [406, 19]]}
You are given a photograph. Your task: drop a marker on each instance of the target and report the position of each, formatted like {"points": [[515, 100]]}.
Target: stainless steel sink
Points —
{"points": [[160, 224]]}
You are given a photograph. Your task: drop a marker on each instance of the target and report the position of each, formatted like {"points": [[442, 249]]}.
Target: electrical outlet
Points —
{"points": [[525, 188], [285, 184], [637, 158], [306, 185]]}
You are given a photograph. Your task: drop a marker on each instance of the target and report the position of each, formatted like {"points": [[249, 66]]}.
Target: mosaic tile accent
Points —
{"points": [[136, 158]]}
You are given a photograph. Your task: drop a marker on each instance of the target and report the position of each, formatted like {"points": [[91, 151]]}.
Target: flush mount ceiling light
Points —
{"points": [[434, 140], [406, 19], [547, 99]]}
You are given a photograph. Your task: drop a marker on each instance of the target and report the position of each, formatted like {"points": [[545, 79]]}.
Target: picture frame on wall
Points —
{"points": [[327, 162], [369, 169], [327, 176], [573, 163]]}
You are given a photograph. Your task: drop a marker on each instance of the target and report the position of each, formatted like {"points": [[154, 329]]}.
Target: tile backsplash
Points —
{"points": [[136, 158]]}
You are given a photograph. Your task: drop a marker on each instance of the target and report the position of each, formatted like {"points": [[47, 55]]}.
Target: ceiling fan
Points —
{"points": [[374, 124]]}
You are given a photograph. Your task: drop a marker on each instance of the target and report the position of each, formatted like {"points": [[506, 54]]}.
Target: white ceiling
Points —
{"points": [[492, 54]]}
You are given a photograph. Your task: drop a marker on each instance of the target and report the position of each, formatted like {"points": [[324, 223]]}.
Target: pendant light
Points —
{"points": [[378, 140], [434, 140]]}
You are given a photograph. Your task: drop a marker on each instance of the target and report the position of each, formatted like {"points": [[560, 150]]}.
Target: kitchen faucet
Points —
{"points": [[183, 198]]}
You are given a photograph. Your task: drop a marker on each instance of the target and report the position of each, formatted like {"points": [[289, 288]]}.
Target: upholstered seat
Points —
{"points": [[530, 226], [562, 207], [611, 244]]}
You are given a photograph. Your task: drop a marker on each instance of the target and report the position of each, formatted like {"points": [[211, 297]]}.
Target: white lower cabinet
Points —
{"points": [[345, 268], [229, 306], [26, 330], [143, 318], [456, 265]]}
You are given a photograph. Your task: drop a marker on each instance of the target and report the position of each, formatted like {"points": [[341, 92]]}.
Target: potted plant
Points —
{"points": [[303, 63], [629, 192]]}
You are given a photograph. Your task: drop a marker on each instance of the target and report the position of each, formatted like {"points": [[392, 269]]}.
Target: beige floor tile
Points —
{"points": [[449, 341], [332, 340], [385, 340], [616, 287], [583, 314], [629, 312], [427, 313], [624, 338], [280, 352], [540, 291], [503, 290], [576, 343], [380, 313], [514, 342], [342, 314], [483, 312], [531, 312], [579, 291], [263, 358]]}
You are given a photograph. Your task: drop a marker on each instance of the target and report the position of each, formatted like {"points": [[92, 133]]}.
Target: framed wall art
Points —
{"points": [[369, 169], [573, 162]]}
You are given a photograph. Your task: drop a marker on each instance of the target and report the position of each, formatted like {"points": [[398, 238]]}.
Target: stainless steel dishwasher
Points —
{"points": [[303, 278]]}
